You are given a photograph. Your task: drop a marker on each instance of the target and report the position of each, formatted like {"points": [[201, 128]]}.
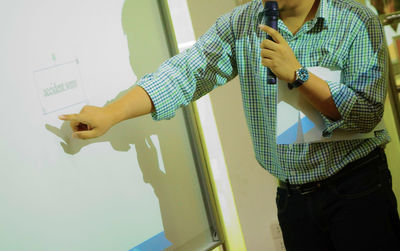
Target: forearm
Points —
{"points": [[316, 91], [133, 104]]}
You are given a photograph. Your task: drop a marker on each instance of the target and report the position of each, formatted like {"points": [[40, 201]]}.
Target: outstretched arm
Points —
{"points": [[179, 81], [93, 121]]}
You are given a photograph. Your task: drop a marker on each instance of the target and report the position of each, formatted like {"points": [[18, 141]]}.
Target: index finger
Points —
{"points": [[276, 36], [70, 117]]}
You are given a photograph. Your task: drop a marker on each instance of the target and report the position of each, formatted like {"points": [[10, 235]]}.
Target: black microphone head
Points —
{"points": [[271, 8]]}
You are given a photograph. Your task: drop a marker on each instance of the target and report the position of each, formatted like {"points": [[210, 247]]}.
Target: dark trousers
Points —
{"points": [[353, 210]]}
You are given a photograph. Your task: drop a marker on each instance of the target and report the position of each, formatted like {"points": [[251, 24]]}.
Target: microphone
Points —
{"points": [[271, 16]]}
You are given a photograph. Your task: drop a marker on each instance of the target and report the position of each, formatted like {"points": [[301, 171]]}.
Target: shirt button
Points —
{"points": [[290, 147], [293, 173]]}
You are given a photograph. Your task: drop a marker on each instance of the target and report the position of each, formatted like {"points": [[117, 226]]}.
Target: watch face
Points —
{"points": [[303, 74]]}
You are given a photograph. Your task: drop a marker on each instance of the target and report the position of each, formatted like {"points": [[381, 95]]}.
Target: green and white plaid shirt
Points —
{"points": [[344, 34]]}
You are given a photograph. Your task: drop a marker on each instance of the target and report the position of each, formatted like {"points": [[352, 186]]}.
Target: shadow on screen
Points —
{"points": [[174, 187], [167, 185]]}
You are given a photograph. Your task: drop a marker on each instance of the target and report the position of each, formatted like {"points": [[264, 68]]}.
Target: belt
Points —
{"points": [[302, 189], [310, 187]]}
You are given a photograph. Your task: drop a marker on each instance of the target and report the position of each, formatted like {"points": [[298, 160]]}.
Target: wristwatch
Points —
{"points": [[301, 77]]}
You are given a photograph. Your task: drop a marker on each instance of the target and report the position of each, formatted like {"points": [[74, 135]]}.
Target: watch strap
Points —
{"points": [[295, 84]]}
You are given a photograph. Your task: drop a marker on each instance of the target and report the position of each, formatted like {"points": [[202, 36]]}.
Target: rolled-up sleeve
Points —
{"points": [[361, 94], [194, 72]]}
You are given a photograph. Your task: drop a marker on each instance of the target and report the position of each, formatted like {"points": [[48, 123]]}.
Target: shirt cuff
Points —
{"points": [[344, 99], [160, 97]]}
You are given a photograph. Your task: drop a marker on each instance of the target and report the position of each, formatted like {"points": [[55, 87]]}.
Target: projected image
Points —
{"points": [[60, 87]]}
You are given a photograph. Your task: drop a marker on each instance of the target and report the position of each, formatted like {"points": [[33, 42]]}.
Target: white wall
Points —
{"points": [[254, 188]]}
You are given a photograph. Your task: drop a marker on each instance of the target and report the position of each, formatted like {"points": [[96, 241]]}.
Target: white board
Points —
{"points": [[134, 185]]}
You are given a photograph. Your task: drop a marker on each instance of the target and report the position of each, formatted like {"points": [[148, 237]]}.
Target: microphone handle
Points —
{"points": [[272, 22]]}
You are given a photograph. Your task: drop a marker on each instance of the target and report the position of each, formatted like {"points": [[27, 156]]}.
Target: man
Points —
{"points": [[332, 195]]}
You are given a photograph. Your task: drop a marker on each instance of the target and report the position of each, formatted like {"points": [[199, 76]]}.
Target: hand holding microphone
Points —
{"points": [[271, 16], [276, 53]]}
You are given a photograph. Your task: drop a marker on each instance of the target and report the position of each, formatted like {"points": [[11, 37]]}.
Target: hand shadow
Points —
{"points": [[121, 136]]}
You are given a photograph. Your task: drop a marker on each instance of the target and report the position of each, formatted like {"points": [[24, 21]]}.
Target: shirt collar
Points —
{"points": [[321, 15]]}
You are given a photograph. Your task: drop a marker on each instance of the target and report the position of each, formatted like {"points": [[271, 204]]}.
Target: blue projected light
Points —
{"points": [[290, 135], [156, 243], [307, 125]]}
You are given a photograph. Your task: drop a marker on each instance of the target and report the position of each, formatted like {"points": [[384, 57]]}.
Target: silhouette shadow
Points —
{"points": [[182, 210]]}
